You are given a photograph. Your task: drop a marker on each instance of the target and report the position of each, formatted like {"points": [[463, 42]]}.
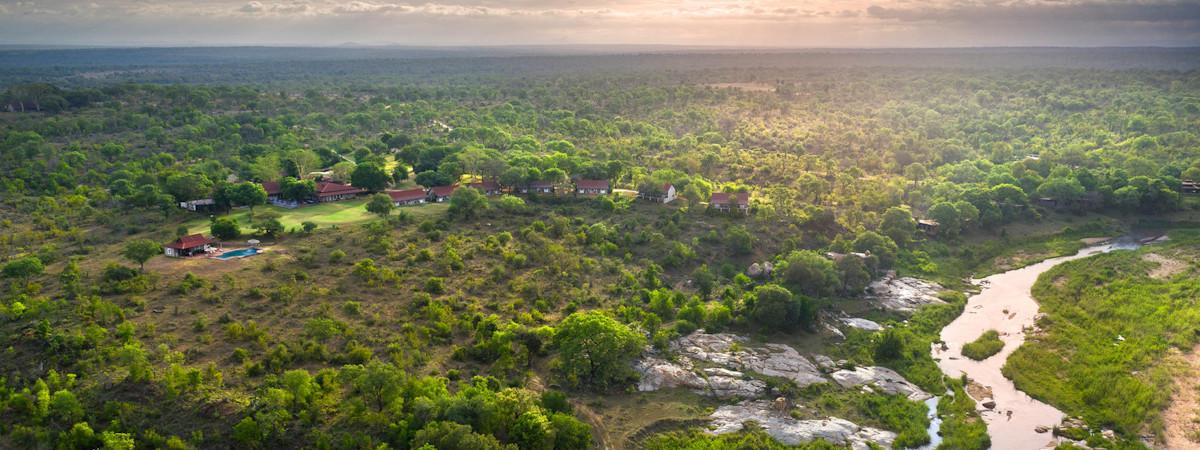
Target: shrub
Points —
{"points": [[984, 347]]}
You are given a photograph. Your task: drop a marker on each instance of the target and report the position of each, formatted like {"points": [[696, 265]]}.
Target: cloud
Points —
{"points": [[252, 7], [1045, 11]]}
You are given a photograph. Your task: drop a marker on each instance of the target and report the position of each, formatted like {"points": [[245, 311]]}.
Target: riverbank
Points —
{"points": [[1004, 304], [1102, 349]]}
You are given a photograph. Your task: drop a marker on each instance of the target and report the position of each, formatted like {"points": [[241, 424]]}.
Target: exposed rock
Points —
{"points": [[825, 363], [988, 403], [732, 351], [833, 332], [862, 324], [903, 294], [789, 431], [880, 379], [1041, 429], [661, 374]]}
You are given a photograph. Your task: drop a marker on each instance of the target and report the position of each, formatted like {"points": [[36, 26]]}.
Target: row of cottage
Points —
{"points": [[332, 191]]}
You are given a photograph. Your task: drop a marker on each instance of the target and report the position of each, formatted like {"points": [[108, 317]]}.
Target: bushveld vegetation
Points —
{"points": [[480, 323]]}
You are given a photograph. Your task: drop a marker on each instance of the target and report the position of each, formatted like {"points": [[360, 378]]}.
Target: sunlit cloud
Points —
{"points": [[784, 23]]}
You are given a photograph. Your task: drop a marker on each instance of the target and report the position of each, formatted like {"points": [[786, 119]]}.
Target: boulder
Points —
{"points": [[903, 294], [790, 431], [862, 324], [661, 374], [880, 379], [735, 352]]}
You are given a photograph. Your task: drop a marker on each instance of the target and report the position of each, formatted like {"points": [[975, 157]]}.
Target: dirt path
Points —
{"points": [[1180, 418]]}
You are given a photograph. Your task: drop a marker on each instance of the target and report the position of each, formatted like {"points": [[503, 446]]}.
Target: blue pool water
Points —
{"points": [[239, 253]]}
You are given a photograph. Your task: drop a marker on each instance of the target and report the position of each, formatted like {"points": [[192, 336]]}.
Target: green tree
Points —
{"points": [[247, 194], [570, 433], [140, 251], [899, 225], [878, 245], [810, 273], [23, 267], [946, 216], [595, 350], [776, 309], [225, 229], [380, 204], [467, 203], [370, 177], [532, 431]]}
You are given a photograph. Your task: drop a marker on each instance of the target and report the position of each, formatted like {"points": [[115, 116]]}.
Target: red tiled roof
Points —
{"points": [[191, 241], [666, 187], [488, 185], [407, 195], [272, 187], [331, 188], [722, 198], [540, 184], [592, 184], [443, 191]]}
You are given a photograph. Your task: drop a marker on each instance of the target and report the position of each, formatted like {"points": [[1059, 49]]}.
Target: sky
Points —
{"points": [[723, 23]]}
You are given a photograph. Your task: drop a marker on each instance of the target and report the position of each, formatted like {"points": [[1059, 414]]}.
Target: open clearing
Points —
{"points": [[323, 214], [1182, 417]]}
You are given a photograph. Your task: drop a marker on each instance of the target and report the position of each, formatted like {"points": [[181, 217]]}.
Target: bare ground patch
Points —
{"points": [[1182, 417], [1166, 266]]}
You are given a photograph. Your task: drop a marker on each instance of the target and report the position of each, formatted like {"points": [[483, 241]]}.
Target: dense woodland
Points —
{"points": [[505, 322]]}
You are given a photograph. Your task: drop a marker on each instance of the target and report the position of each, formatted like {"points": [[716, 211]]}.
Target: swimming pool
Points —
{"points": [[239, 253]]}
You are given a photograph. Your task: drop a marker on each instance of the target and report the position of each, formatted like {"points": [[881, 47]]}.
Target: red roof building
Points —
{"points": [[414, 196], [329, 191], [591, 187], [442, 193], [538, 187], [272, 188], [723, 201], [488, 187], [188, 246]]}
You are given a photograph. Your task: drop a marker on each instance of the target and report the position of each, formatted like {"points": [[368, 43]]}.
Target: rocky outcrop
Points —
{"points": [[880, 379], [903, 294], [658, 374], [862, 324], [735, 352], [790, 431]]}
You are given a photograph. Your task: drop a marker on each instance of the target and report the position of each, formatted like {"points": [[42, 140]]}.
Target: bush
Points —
{"points": [[984, 347], [225, 229]]}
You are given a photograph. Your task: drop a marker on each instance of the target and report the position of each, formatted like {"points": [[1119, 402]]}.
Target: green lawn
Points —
{"points": [[324, 215]]}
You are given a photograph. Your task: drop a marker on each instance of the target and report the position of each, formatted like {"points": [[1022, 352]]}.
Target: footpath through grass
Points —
{"points": [[1110, 321], [322, 214]]}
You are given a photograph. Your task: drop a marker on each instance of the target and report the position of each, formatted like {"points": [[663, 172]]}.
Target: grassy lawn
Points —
{"points": [[323, 214]]}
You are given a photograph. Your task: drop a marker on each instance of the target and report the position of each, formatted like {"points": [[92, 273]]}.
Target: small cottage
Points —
{"points": [[273, 190], [329, 191], [661, 194], [204, 204], [591, 187], [1189, 187], [488, 187], [927, 226], [195, 244], [408, 197], [726, 202], [441, 194], [538, 187]]}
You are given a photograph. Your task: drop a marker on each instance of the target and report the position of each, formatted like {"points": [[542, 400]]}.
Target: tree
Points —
{"points": [[432, 178], [570, 433], [532, 431], [776, 309], [946, 216], [595, 350], [467, 203], [23, 267], [188, 186], [741, 242], [248, 194], [140, 251], [225, 229], [899, 225], [810, 273], [370, 177], [380, 204], [453, 436], [297, 190], [854, 274], [878, 245], [1065, 190]]}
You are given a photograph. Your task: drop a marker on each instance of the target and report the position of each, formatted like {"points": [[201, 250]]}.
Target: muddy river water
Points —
{"points": [[1006, 305]]}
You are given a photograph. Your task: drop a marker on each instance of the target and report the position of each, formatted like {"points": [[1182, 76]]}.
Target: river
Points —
{"points": [[1005, 304]]}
